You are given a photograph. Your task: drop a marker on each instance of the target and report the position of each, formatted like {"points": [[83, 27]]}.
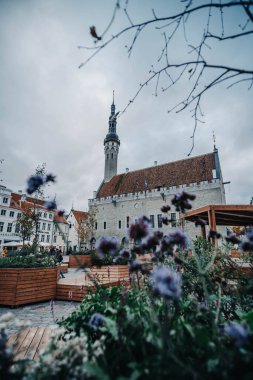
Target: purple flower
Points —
{"points": [[232, 238], [107, 246], [247, 244], [135, 266], [166, 283], [181, 201], [165, 220], [165, 208], [139, 230], [50, 205], [151, 242], [96, 320], [34, 182], [214, 234], [50, 178], [238, 332]]}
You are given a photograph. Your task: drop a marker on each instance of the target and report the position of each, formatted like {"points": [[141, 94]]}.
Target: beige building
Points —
{"points": [[123, 198]]}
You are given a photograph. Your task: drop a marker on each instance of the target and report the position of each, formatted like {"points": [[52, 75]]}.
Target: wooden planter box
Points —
{"points": [[110, 273], [19, 286], [76, 261]]}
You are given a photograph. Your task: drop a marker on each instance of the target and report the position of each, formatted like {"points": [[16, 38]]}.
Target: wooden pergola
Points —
{"points": [[221, 215]]}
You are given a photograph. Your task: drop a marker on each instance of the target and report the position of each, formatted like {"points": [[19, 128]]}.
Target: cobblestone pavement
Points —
{"points": [[41, 314]]}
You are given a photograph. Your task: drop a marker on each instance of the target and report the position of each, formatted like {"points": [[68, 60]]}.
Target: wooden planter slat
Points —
{"points": [[75, 261], [19, 286]]}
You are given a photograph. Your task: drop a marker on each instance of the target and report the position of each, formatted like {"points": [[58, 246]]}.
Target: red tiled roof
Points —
{"points": [[190, 170], [80, 215], [59, 219], [17, 197]]}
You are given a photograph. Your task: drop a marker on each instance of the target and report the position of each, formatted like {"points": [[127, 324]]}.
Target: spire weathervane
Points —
{"points": [[214, 141]]}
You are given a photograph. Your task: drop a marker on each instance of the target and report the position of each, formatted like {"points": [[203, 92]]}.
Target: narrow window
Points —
{"points": [[49, 227], [48, 238], [159, 221], [104, 225], [11, 214], [3, 212], [112, 155], [17, 228], [96, 225], [1, 226], [5, 200], [127, 221], [152, 220], [173, 219], [9, 227], [119, 224], [42, 238]]}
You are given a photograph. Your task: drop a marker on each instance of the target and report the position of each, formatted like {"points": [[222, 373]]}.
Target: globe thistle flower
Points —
{"points": [[181, 201], [107, 246], [232, 238], [150, 242], [34, 182], [247, 244], [50, 205], [165, 208], [135, 266], [166, 283], [61, 213], [178, 238], [214, 235], [96, 320], [139, 230], [165, 220], [50, 178], [238, 332]]}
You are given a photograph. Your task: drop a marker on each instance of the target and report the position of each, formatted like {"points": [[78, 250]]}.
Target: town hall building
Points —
{"points": [[122, 198]]}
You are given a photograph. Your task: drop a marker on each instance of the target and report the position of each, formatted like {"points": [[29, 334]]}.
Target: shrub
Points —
{"points": [[19, 260]]}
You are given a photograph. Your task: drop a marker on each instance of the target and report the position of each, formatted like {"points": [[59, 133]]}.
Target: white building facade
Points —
{"points": [[122, 198]]}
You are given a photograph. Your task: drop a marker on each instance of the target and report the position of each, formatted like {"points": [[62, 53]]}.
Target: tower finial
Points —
{"points": [[113, 97], [214, 141]]}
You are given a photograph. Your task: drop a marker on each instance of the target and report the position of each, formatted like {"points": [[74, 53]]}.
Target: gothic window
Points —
{"points": [[159, 221], [152, 220], [173, 219]]}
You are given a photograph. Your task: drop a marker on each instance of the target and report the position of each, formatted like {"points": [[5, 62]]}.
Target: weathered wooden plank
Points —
{"points": [[21, 353], [43, 342], [33, 348]]}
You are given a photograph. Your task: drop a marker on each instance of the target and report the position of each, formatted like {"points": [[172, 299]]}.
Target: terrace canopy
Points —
{"points": [[222, 215]]}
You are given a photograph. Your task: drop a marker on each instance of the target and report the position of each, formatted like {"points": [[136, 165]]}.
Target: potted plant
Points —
{"points": [[27, 279]]}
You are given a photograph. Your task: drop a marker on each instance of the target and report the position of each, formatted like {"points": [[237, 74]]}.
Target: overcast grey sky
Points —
{"points": [[53, 112]]}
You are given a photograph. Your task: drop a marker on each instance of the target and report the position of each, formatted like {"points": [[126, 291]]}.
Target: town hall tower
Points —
{"points": [[111, 146]]}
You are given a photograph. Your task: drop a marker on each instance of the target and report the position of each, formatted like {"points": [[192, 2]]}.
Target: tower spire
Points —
{"points": [[214, 141], [111, 144]]}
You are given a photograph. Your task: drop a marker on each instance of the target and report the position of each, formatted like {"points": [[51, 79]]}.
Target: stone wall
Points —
{"points": [[115, 210]]}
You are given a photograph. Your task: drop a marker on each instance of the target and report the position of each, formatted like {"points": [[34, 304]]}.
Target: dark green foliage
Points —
{"points": [[21, 260], [87, 252]]}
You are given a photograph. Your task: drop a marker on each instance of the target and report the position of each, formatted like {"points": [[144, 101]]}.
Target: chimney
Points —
{"points": [[155, 163], [127, 170], [94, 194]]}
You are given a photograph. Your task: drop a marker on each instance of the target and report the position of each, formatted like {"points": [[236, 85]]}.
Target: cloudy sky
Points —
{"points": [[51, 111]]}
